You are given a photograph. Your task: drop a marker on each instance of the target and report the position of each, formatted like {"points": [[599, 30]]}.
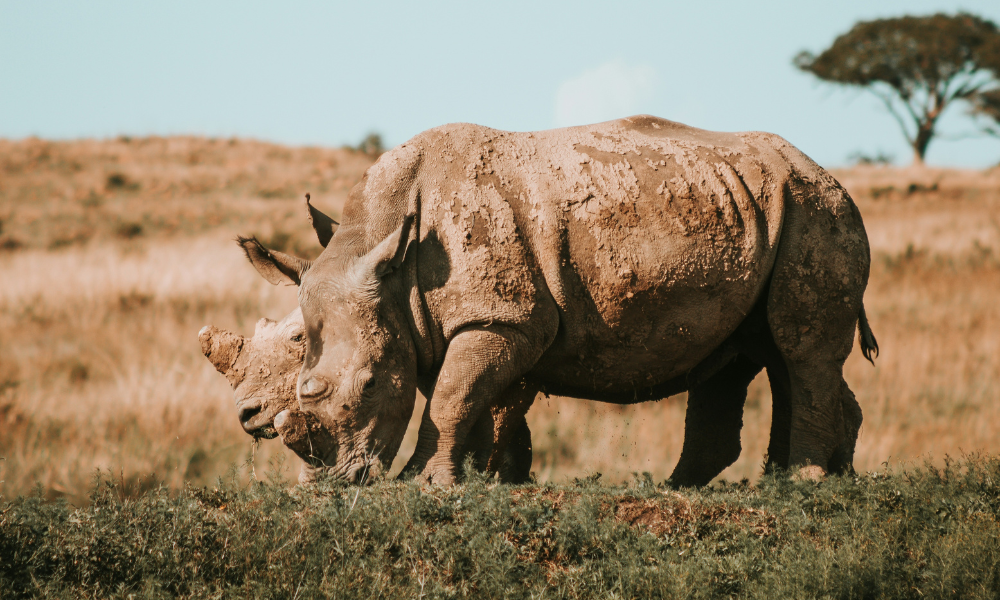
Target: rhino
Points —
{"points": [[621, 262], [263, 371]]}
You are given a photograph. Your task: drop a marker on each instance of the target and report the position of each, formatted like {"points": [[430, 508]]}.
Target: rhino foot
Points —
{"points": [[438, 474], [813, 473]]}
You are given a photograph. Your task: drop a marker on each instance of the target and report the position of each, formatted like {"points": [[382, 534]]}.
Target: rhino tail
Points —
{"points": [[868, 342]]}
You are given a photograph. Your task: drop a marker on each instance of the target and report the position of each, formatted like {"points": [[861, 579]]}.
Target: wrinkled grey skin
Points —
{"points": [[622, 262]]}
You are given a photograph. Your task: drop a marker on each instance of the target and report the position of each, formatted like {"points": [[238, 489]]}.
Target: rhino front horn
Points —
{"points": [[221, 347]]}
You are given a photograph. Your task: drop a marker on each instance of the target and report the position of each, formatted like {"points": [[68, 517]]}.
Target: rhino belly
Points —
{"points": [[655, 336]]}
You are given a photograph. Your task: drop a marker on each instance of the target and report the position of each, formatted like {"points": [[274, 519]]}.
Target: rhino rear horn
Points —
{"points": [[324, 226], [220, 347]]}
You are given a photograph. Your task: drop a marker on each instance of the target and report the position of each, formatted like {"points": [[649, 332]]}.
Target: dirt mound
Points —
{"points": [[674, 515]]}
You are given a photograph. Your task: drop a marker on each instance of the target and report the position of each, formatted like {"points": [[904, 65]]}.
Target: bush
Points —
{"points": [[129, 231], [119, 181], [880, 158], [371, 145]]}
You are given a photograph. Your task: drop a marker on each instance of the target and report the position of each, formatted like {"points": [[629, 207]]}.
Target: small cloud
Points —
{"points": [[608, 91]]}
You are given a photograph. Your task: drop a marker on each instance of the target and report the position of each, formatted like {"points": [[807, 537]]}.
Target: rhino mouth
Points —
{"points": [[316, 444], [257, 420], [268, 432]]}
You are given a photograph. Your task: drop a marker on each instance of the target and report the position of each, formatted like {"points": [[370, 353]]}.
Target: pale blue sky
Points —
{"points": [[327, 72]]}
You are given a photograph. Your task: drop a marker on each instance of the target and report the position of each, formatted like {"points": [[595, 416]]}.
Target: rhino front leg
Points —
{"points": [[499, 441], [480, 365], [511, 453], [516, 457], [500, 437]]}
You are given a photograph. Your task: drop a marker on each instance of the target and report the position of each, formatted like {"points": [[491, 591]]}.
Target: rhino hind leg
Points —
{"points": [[778, 449], [781, 425], [815, 297], [781, 417], [713, 423], [842, 460]]}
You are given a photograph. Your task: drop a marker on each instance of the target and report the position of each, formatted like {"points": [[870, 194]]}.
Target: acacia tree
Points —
{"points": [[917, 66]]}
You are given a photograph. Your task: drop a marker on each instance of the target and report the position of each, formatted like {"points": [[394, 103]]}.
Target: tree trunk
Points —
{"points": [[925, 132]]}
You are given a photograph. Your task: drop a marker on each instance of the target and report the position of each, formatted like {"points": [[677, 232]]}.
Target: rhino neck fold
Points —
{"points": [[415, 307]]}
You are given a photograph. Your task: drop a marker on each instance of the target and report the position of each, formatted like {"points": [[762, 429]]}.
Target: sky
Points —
{"points": [[328, 73]]}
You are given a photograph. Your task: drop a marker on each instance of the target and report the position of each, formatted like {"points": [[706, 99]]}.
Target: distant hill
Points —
{"points": [[65, 193]]}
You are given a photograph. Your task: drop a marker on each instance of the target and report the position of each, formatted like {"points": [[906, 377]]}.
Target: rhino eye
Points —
{"points": [[298, 337], [369, 382]]}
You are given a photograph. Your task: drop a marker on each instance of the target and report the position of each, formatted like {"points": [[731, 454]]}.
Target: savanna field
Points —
{"points": [[124, 471]]}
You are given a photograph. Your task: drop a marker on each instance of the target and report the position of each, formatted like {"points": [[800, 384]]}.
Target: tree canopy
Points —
{"points": [[917, 66], [987, 105]]}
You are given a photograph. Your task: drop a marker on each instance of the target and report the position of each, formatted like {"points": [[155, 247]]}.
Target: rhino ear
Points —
{"points": [[324, 226], [389, 254], [276, 267]]}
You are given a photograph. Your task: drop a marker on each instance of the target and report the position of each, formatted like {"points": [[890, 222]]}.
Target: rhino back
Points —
{"points": [[653, 239]]}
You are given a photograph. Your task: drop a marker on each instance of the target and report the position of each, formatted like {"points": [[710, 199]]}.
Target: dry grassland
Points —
{"points": [[114, 253]]}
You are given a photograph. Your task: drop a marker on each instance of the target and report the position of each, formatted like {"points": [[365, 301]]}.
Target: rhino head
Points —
{"points": [[358, 379], [263, 370]]}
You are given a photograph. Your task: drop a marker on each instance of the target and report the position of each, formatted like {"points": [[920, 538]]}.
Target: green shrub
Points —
{"points": [[910, 534], [371, 145]]}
